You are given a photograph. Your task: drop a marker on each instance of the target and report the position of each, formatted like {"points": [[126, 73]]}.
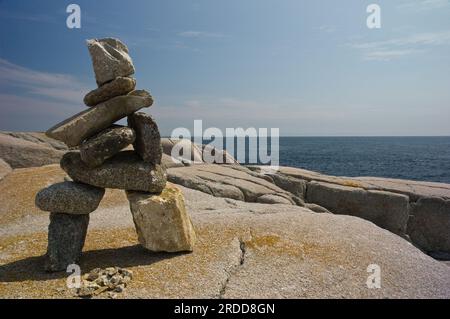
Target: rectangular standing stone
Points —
{"points": [[66, 236]]}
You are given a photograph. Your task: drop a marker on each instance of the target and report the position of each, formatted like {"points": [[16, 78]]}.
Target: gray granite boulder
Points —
{"points": [[110, 59], [83, 125], [125, 170], [148, 139], [429, 224], [69, 198], [66, 236], [104, 145], [387, 210], [118, 86]]}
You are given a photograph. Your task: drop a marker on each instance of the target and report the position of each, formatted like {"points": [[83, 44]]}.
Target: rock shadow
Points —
{"points": [[32, 268]]}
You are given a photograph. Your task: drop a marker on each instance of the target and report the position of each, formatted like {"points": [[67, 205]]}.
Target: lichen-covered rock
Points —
{"points": [[106, 144], [66, 236], [85, 124], [148, 139], [162, 222], [110, 59], [125, 170], [69, 198], [118, 86]]}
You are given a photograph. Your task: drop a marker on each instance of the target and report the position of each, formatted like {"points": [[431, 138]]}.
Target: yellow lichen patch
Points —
{"points": [[351, 183], [18, 190], [273, 244], [194, 274]]}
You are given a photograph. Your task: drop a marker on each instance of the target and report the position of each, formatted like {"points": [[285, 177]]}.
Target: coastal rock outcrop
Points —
{"points": [[243, 250], [21, 153], [230, 181], [415, 210], [388, 210], [429, 225]]}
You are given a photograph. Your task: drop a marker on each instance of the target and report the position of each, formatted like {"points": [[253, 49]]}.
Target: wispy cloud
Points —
{"points": [[199, 34], [61, 87], [327, 28], [403, 46]]}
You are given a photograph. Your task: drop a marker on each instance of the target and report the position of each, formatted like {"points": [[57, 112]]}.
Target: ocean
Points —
{"points": [[414, 158]]}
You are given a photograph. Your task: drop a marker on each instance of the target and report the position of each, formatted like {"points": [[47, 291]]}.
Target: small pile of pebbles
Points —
{"points": [[112, 280]]}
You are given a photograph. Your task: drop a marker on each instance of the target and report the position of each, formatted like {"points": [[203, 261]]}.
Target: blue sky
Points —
{"points": [[310, 68]]}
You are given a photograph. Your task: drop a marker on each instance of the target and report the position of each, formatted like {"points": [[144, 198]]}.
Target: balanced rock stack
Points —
{"points": [[161, 220]]}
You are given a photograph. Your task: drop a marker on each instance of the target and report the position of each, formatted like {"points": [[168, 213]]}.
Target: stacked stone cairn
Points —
{"points": [[103, 159]]}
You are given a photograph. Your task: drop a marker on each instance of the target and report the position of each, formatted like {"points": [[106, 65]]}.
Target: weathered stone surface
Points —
{"points": [[231, 181], [110, 59], [429, 224], [387, 210], [38, 138], [182, 151], [83, 125], [274, 199], [317, 209], [414, 189], [5, 169], [118, 86], [69, 198], [245, 250], [213, 155], [148, 139], [167, 162], [106, 144], [125, 170], [66, 235], [162, 222], [292, 185], [20, 153], [188, 153]]}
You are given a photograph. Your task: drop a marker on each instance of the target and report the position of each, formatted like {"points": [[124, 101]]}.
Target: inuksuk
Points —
{"points": [[102, 157]]}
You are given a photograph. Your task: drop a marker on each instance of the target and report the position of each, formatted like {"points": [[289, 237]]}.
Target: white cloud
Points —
{"points": [[49, 85], [399, 47]]}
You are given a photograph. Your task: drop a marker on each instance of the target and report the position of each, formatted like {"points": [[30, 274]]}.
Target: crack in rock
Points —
{"points": [[234, 269]]}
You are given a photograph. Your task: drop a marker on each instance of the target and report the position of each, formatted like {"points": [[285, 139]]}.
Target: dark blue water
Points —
{"points": [[415, 158]]}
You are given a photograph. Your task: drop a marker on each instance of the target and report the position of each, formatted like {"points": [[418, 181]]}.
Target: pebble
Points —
{"points": [[112, 279]]}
